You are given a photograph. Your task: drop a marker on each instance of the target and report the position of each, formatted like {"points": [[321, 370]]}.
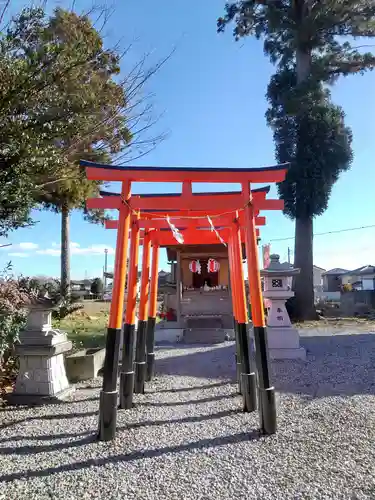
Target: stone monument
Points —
{"points": [[283, 339], [42, 377]]}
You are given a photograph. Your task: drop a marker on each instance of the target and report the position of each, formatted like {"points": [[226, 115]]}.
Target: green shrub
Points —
{"points": [[13, 314]]}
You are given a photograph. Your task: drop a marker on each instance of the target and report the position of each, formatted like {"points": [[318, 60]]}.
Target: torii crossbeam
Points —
{"points": [[244, 207]]}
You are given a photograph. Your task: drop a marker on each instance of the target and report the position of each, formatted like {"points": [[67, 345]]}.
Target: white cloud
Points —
{"points": [[76, 249], [92, 250], [58, 245], [27, 246], [18, 254], [49, 251]]}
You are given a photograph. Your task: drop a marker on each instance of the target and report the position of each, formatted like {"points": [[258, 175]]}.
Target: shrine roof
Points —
{"points": [[198, 251], [97, 171]]}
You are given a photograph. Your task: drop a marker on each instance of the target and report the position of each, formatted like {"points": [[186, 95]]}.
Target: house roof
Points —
{"points": [[320, 268], [364, 270], [163, 273], [86, 282], [336, 270], [360, 271]]}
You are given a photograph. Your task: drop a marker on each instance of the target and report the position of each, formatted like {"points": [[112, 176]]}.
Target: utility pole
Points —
{"points": [[288, 255], [105, 268]]}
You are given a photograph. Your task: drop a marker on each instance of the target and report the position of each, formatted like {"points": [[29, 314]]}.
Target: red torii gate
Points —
{"points": [[191, 229], [159, 239], [162, 237], [185, 204]]}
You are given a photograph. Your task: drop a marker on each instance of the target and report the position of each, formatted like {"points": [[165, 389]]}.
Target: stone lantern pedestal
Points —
{"points": [[283, 339], [42, 377]]}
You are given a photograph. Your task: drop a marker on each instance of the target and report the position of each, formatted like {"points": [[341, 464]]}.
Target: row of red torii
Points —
{"points": [[156, 221]]}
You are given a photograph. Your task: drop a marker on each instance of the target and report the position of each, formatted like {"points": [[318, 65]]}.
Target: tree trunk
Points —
{"points": [[303, 65], [65, 252], [303, 260], [303, 283]]}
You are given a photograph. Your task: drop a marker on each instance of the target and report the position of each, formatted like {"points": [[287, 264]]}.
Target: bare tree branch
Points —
{"points": [[133, 84], [4, 10]]}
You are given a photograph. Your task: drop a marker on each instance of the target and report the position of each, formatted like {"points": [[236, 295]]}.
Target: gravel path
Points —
{"points": [[187, 438]]}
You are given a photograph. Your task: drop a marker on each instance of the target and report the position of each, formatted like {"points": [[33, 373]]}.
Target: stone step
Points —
{"points": [[204, 322], [204, 335]]}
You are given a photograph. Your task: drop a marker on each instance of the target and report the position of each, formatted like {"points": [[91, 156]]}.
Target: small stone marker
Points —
{"points": [[84, 364]]}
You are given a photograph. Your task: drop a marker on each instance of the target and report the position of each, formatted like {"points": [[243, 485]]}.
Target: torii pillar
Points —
{"points": [[109, 393], [127, 365], [266, 392]]}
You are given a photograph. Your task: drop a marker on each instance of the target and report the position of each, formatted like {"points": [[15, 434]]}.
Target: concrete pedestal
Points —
{"points": [[42, 377], [283, 343]]}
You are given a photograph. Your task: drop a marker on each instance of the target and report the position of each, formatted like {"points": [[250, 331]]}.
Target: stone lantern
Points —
{"points": [[283, 339], [42, 377]]}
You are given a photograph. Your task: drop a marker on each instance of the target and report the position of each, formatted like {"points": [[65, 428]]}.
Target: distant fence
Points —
{"points": [[357, 300], [330, 296], [87, 296]]}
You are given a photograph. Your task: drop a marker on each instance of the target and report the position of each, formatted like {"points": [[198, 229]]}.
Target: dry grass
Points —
{"points": [[93, 307], [357, 324], [86, 328]]}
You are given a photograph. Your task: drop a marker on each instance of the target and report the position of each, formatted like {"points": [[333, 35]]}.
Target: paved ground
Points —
{"points": [[188, 439]]}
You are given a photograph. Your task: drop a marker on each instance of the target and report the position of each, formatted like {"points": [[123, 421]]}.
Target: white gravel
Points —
{"points": [[187, 438]]}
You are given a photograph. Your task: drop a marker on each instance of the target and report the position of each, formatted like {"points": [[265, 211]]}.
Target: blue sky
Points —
{"points": [[211, 93]]}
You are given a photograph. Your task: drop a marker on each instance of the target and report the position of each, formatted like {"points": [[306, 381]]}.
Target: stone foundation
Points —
{"points": [[42, 377], [204, 336], [283, 343], [204, 329]]}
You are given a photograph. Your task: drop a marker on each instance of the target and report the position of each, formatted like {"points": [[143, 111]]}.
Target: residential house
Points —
{"points": [[81, 288], [362, 278], [332, 279], [318, 278], [164, 277], [109, 275]]}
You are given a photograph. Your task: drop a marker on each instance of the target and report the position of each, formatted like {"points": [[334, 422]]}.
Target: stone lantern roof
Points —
{"points": [[44, 303], [276, 268]]}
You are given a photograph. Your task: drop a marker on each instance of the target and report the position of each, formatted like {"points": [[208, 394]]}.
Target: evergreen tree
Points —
{"points": [[311, 44], [95, 128], [61, 100]]}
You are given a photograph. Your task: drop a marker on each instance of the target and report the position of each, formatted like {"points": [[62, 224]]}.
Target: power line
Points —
{"points": [[330, 232]]}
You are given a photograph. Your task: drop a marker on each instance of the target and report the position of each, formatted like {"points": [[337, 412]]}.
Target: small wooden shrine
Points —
{"points": [[201, 299]]}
